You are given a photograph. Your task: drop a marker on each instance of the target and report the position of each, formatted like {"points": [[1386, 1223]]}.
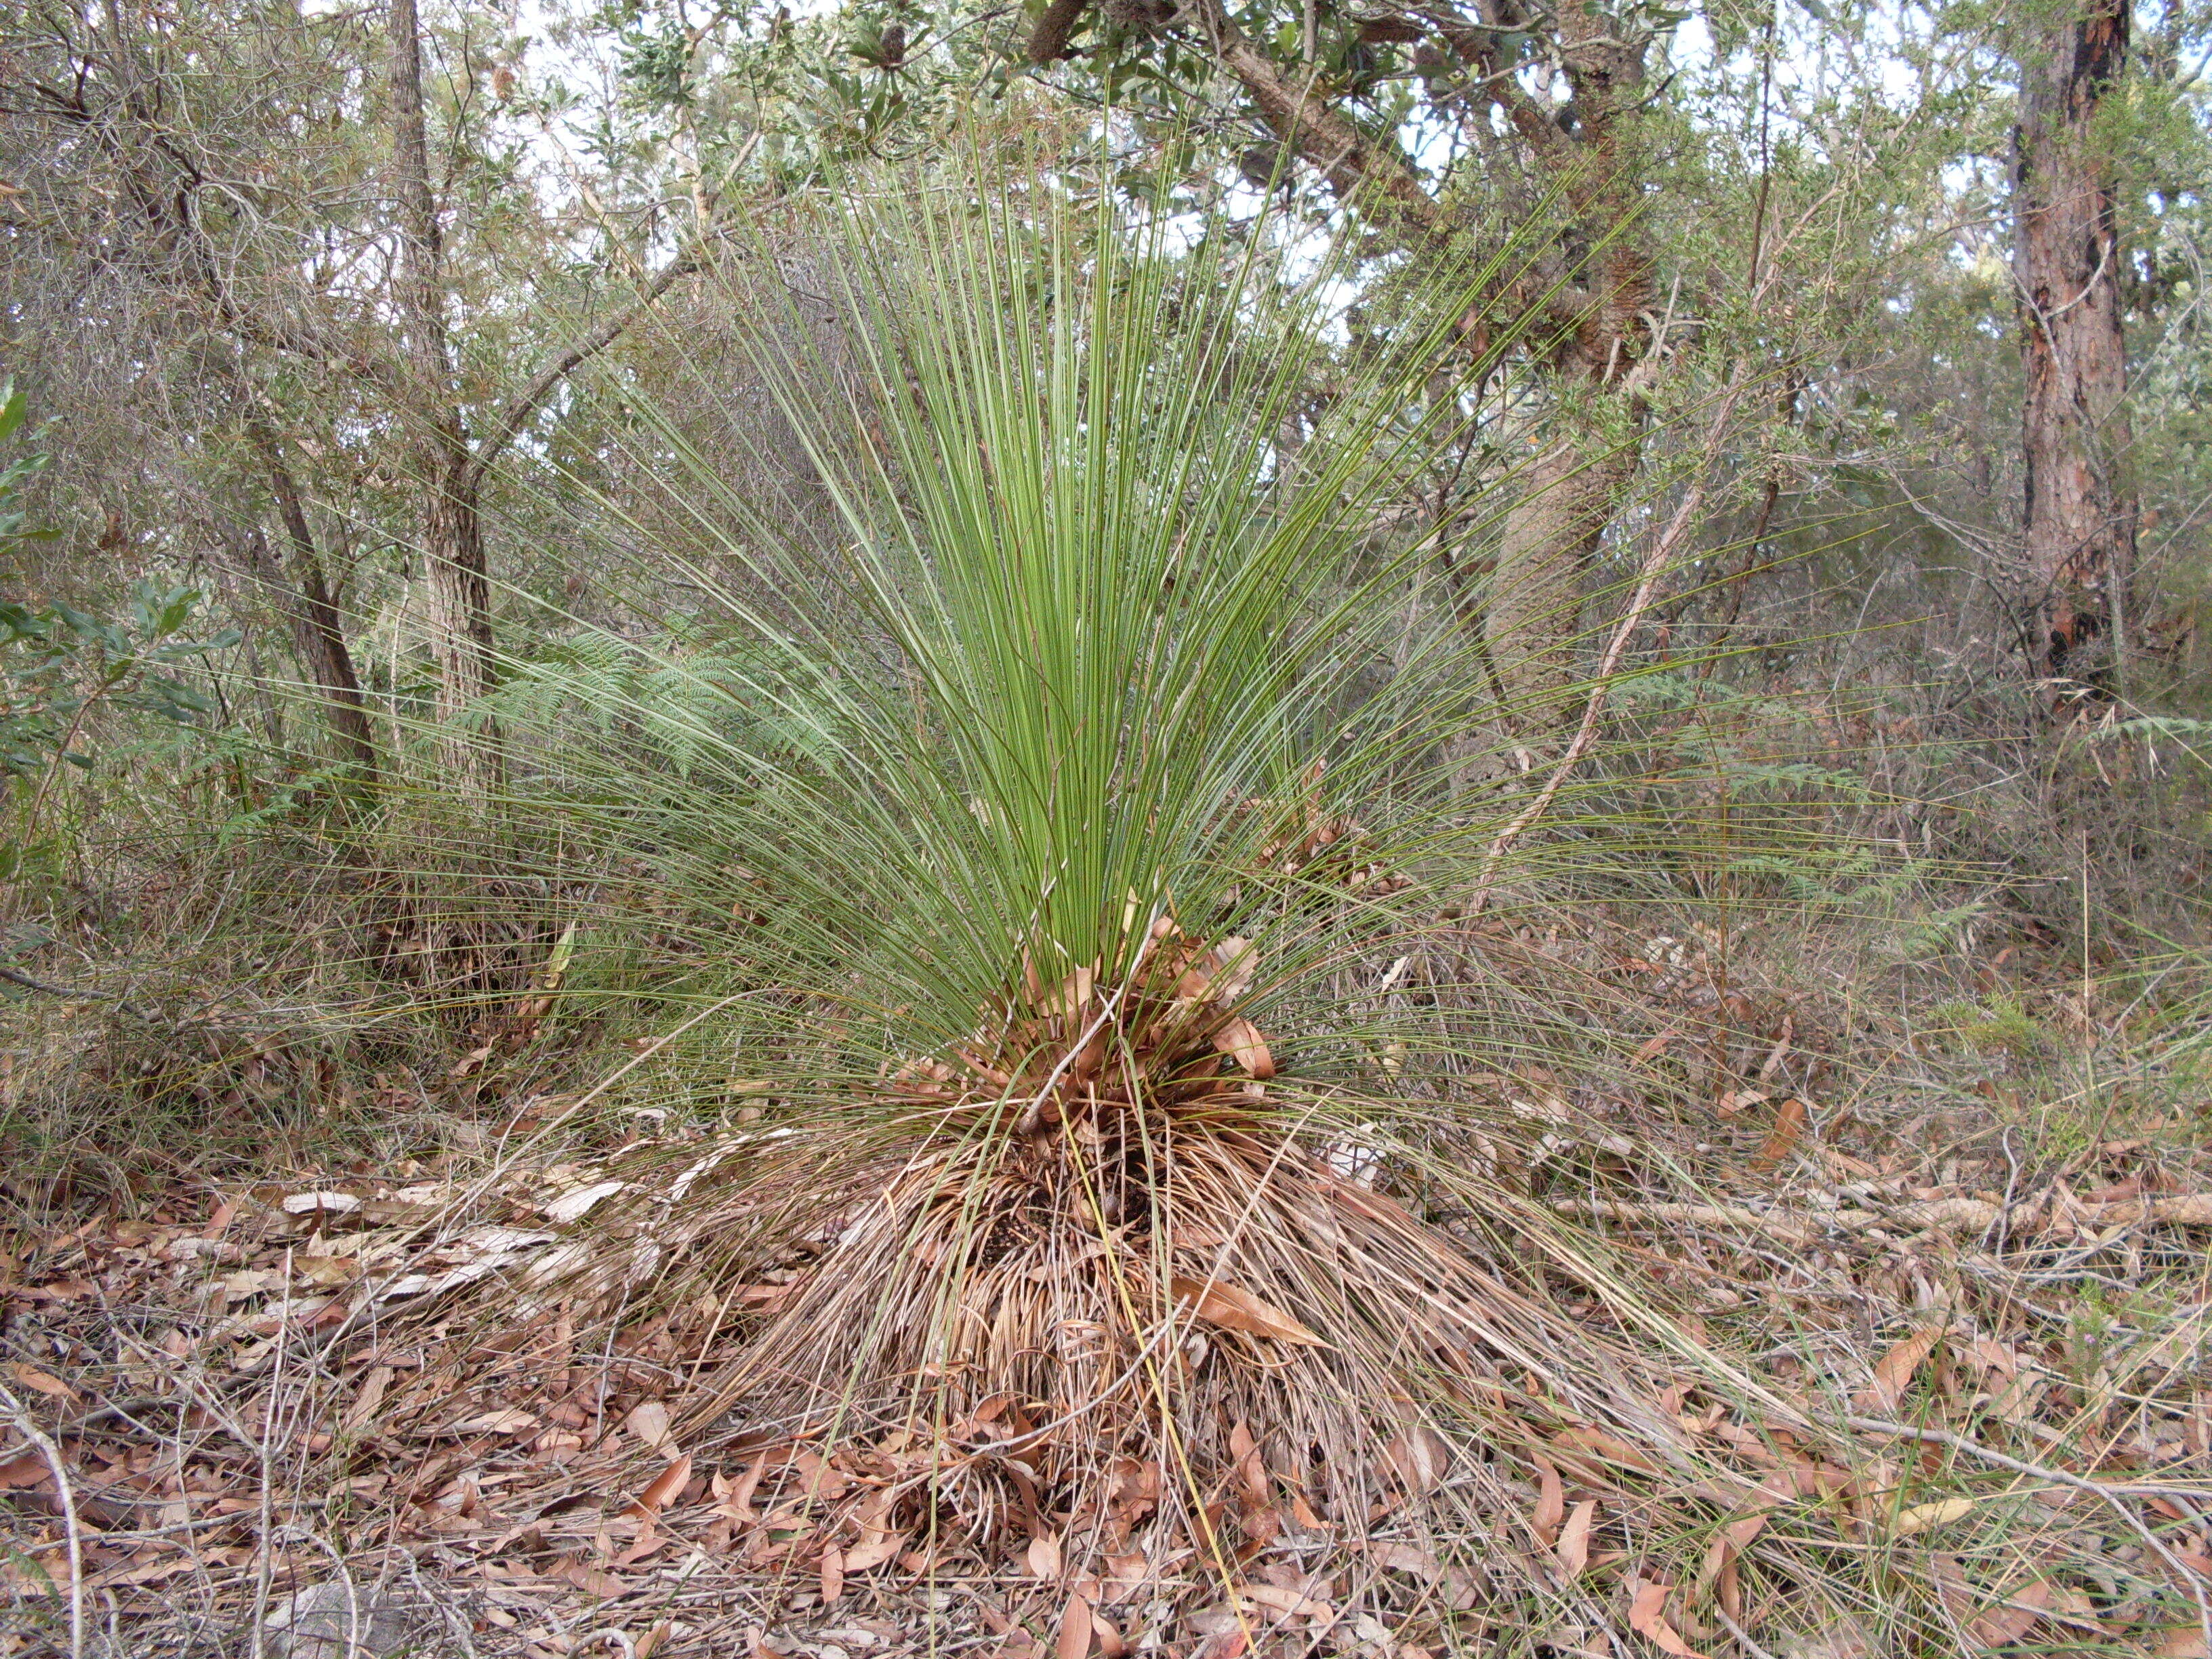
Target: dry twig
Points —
{"points": [[21, 1420], [2114, 1494]]}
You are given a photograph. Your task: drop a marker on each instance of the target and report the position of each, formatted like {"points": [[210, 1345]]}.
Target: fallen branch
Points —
{"points": [[15, 977], [1974, 1448]]}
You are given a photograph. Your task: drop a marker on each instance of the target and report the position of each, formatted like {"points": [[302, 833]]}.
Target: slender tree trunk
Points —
{"points": [[318, 635], [2081, 510], [451, 529]]}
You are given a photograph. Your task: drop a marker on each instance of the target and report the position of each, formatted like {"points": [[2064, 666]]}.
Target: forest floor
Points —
{"points": [[1980, 1248]]}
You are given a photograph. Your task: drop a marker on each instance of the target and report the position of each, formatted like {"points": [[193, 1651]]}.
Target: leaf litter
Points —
{"points": [[305, 1375]]}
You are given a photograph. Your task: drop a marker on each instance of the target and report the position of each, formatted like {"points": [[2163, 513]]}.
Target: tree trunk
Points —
{"points": [[2081, 511], [1602, 303], [460, 618], [451, 530], [1530, 621], [318, 635], [1594, 293]]}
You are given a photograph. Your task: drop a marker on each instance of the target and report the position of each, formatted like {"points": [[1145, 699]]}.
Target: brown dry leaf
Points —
{"points": [[874, 1552], [2187, 1643], [1244, 1452], [1419, 1457], [1125, 1576], [735, 1499], [1893, 1372], [649, 1542], [1404, 1557], [371, 1394], [2005, 1623], [1241, 1041], [1610, 1447], [1647, 1616], [141, 1573], [649, 1644], [1739, 1532], [1550, 1504], [327, 1272], [507, 1420], [1652, 1047], [833, 1573], [665, 1489], [1925, 1517], [1782, 1138], [1574, 1539], [648, 1421], [1235, 1309], [591, 1580], [1110, 1644], [1075, 1629], [45, 1381], [1044, 1557], [1289, 1603], [29, 1470]]}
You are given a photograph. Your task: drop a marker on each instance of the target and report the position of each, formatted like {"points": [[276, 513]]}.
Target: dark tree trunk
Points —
{"points": [[2081, 511], [318, 635], [451, 529]]}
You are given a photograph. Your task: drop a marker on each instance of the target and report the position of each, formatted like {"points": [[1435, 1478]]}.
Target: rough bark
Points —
{"points": [[1600, 305], [318, 635], [2079, 519], [1531, 623], [451, 530], [1048, 41]]}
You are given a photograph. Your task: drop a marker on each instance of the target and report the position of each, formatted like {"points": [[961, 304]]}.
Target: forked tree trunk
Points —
{"points": [[2081, 511], [452, 528], [318, 635]]}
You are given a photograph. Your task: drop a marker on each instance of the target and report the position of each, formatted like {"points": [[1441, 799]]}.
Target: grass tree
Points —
{"points": [[1073, 810]]}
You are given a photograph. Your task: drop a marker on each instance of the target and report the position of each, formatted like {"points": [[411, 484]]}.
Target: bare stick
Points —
{"points": [[1743, 1636], [266, 1567], [38, 1436], [15, 976]]}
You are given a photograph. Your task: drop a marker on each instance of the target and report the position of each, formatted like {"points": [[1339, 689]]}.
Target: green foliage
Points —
{"points": [[1089, 652], [15, 527], [680, 695], [60, 666], [57, 663], [2000, 1024]]}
